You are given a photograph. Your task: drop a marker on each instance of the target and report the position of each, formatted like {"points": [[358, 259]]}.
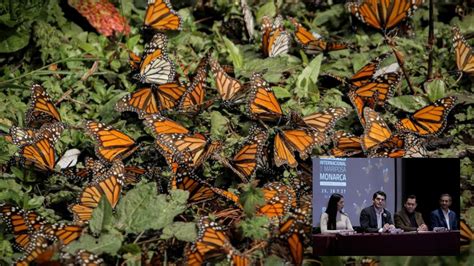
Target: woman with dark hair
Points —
{"points": [[334, 220]]}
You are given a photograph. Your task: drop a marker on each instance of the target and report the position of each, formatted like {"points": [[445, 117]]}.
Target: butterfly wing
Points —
{"points": [[346, 144], [227, 87], [263, 104], [193, 98], [376, 130], [245, 161], [463, 52], [161, 16], [41, 110], [111, 143], [156, 67], [429, 120]]}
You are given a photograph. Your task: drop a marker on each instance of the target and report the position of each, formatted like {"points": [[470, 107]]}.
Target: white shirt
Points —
{"points": [[446, 217], [379, 218], [342, 223]]}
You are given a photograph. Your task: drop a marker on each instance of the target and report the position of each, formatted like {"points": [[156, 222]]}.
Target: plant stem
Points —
{"points": [[2, 83], [430, 43]]}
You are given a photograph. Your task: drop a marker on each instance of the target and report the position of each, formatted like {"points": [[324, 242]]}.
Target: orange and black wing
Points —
{"points": [[227, 87], [325, 120], [346, 144], [263, 104], [17, 222], [429, 120], [383, 15], [245, 161], [279, 199], [464, 53], [156, 67], [41, 110], [193, 98], [111, 143], [185, 179], [366, 73], [376, 130], [161, 16]]}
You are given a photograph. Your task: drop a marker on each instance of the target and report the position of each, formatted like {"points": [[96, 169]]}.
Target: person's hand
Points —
{"points": [[423, 227]]}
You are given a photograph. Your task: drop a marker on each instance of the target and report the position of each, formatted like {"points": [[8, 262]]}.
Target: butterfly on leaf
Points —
{"points": [[109, 186], [160, 15], [314, 43], [230, 89], [383, 15], [464, 53], [275, 40], [263, 104], [152, 99], [155, 66], [41, 110], [279, 199], [429, 120], [346, 144], [111, 143]]}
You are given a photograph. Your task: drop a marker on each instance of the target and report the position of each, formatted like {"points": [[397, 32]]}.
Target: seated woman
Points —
{"points": [[334, 220]]}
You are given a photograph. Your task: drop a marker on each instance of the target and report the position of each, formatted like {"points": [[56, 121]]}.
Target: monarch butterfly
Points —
{"points": [[22, 136], [466, 233], [361, 102], [41, 110], [245, 161], [275, 40], [171, 137], [346, 144], [279, 198], [185, 179], [325, 120], [464, 53], [383, 15], [376, 130], [110, 185], [161, 16], [429, 120], [112, 144], [134, 60], [82, 257], [228, 195], [229, 88], [39, 250], [155, 66], [151, 100], [263, 104], [314, 43], [40, 150], [414, 147], [287, 141], [193, 98]]}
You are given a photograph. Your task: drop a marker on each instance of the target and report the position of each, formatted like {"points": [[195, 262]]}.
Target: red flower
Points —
{"points": [[102, 15]]}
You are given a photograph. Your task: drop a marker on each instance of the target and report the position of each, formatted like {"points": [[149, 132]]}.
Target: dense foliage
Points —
{"points": [[86, 73]]}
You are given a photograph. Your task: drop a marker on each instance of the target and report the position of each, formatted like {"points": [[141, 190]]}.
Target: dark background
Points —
{"points": [[428, 178]]}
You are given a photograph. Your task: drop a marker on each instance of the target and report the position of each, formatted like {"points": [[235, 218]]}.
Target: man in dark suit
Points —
{"points": [[444, 217], [408, 219], [375, 218]]}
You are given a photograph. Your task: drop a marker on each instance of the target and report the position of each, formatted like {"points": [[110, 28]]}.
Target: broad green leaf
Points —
{"points": [[14, 39], [101, 216], [256, 227], [251, 197], [268, 9], [234, 53], [107, 243], [218, 124], [306, 81], [436, 89], [141, 208], [281, 93], [408, 103], [182, 231]]}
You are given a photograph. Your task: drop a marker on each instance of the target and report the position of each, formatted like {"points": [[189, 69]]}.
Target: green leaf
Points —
{"points": [[274, 260], [181, 230], [234, 53], [142, 209], [408, 103], [14, 39], [251, 197], [436, 89], [107, 243], [256, 227], [268, 9], [218, 124], [306, 81], [281, 92], [101, 216]]}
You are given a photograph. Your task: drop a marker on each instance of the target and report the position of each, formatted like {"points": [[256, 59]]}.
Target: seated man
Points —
{"points": [[408, 219], [375, 218], [444, 217]]}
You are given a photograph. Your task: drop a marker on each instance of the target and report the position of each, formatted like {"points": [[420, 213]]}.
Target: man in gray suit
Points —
{"points": [[408, 219], [376, 218]]}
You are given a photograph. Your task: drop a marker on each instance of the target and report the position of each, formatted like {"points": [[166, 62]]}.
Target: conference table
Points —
{"points": [[386, 244]]}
